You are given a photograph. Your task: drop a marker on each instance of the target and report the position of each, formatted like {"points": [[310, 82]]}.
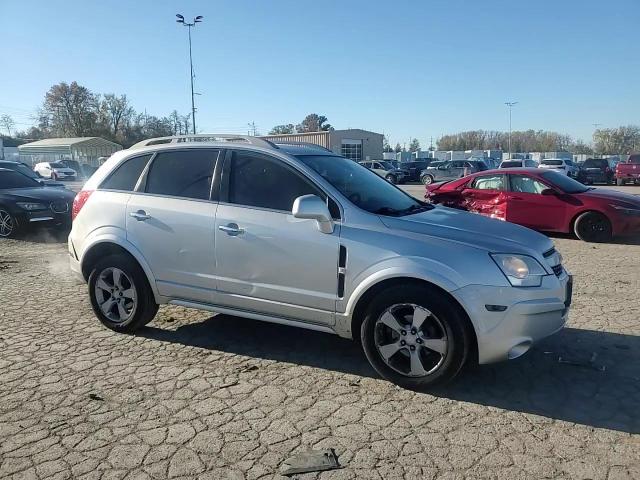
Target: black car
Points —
{"points": [[25, 170], [602, 170], [24, 202], [413, 168]]}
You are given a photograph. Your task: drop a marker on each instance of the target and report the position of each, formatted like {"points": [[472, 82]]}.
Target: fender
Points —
{"points": [[117, 237]]}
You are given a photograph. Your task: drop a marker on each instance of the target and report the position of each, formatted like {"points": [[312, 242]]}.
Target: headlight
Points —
{"points": [[626, 210], [520, 270], [32, 206]]}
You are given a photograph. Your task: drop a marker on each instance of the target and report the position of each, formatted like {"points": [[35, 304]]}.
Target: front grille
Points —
{"points": [[557, 269], [59, 207]]}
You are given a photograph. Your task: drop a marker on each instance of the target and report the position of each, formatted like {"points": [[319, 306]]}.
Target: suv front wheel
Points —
{"points": [[414, 337], [120, 294]]}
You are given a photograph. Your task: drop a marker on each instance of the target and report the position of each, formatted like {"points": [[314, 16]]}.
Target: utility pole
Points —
{"points": [[510, 105], [197, 19], [253, 129]]}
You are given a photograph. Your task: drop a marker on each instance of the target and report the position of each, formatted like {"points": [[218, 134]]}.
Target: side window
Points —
{"points": [[183, 173], [377, 165], [489, 182], [524, 184], [258, 181], [126, 175]]}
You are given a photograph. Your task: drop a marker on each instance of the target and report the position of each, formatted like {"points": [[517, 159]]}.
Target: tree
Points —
{"points": [[7, 123], [397, 148], [621, 140], [313, 123], [114, 112], [69, 110], [284, 129], [385, 145], [581, 148], [414, 145]]}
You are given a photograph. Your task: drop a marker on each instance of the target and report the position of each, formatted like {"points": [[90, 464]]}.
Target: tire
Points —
{"points": [[53, 176], [444, 322], [9, 225], [620, 182], [426, 180], [593, 227], [138, 312], [391, 179]]}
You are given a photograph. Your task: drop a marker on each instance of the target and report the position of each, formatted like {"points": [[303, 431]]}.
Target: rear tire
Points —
{"points": [[427, 179], [593, 227], [620, 182], [415, 358], [120, 294], [391, 179]]}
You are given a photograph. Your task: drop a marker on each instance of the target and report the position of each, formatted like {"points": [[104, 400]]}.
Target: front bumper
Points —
{"points": [[531, 314], [44, 218]]}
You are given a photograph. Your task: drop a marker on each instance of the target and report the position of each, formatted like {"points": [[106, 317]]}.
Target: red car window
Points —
{"points": [[488, 182], [526, 184]]}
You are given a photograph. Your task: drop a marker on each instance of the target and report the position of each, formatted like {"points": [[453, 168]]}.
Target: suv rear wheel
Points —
{"points": [[391, 178], [120, 294], [414, 337], [426, 179]]}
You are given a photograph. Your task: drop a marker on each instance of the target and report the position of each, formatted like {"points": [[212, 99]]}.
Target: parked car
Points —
{"points": [[597, 170], [413, 169], [25, 170], [518, 163], [55, 171], [449, 170], [303, 237], [386, 170], [628, 171], [544, 200], [561, 165], [24, 202]]}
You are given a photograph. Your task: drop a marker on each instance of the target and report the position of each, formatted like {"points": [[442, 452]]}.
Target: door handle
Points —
{"points": [[231, 229], [140, 215]]}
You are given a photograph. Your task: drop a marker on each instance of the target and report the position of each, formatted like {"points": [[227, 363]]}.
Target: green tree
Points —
{"points": [[397, 148], [284, 129], [69, 110], [385, 144], [313, 123], [414, 145]]}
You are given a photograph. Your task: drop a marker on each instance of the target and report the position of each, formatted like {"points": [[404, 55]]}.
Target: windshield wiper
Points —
{"points": [[386, 211], [405, 211]]}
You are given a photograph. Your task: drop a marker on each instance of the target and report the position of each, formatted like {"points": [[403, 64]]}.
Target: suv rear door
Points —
{"points": [[170, 220], [267, 260]]}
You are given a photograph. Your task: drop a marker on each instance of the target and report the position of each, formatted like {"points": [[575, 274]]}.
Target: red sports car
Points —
{"points": [[543, 200]]}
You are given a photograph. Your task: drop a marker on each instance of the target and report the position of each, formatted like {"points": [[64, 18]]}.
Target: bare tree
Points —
{"points": [[414, 145], [114, 112], [69, 110], [7, 123], [282, 129]]}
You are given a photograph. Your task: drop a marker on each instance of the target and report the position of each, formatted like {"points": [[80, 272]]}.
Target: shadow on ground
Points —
{"points": [[44, 235], [625, 240], [603, 393]]}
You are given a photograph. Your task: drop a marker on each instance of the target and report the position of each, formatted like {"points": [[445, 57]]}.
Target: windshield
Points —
{"points": [[363, 187], [58, 165], [594, 163], [22, 168], [11, 179], [511, 164], [387, 165], [552, 162], [564, 183]]}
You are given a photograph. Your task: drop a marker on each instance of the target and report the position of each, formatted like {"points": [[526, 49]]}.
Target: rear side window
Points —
{"points": [[126, 175], [258, 181], [183, 173], [555, 163], [489, 182]]}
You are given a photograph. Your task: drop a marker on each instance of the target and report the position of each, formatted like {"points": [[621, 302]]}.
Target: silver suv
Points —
{"points": [[297, 235]]}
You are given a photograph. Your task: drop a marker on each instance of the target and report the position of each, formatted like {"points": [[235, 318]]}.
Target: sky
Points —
{"points": [[420, 68]]}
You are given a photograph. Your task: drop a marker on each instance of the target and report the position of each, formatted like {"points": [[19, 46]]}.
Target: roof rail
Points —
{"points": [[204, 137], [302, 144]]}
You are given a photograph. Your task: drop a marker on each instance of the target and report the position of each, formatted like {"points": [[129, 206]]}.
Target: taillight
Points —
{"points": [[79, 201]]}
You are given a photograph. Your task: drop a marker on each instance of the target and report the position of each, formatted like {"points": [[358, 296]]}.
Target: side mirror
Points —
{"points": [[548, 192], [312, 207]]}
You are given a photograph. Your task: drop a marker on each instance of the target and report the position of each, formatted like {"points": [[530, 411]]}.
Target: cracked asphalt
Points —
{"points": [[196, 396]]}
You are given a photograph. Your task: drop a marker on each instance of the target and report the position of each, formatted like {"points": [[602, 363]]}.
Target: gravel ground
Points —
{"points": [[196, 396]]}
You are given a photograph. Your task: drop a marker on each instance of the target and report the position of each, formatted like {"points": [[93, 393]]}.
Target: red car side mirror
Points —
{"points": [[548, 191]]}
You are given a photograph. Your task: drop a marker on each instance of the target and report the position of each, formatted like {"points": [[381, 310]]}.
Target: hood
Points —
{"points": [[38, 194], [613, 195], [473, 230]]}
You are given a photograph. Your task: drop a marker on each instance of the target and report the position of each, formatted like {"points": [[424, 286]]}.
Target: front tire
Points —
{"points": [[8, 224], [415, 337], [620, 182], [593, 227], [427, 180], [120, 294], [391, 179]]}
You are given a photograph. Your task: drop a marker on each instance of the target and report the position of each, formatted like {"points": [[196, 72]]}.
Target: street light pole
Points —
{"points": [[197, 19], [510, 105]]}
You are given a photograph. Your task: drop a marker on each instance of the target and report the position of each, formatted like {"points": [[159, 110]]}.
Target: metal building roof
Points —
{"points": [[68, 143]]}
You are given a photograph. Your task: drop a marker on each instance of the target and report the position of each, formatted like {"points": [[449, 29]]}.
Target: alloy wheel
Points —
{"points": [[116, 295], [6, 224], [411, 340]]}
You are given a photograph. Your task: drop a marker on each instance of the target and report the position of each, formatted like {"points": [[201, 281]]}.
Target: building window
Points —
{"points": [[352, 149]]}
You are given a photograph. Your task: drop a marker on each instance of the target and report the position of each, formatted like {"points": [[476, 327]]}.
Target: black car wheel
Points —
{"points": [[415, 337], [593, 227], [620, 182], [8, 224], [391, 178], [427, 179]]}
